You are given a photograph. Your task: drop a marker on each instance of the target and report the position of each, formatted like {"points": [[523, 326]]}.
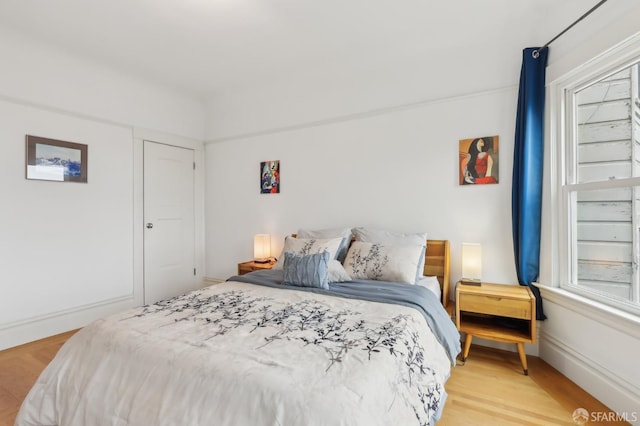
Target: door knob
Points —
{"points": [[149, 225]]}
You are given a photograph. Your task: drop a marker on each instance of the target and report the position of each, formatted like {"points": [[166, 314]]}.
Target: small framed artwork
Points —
{"points": [[270, 177], [50, 159], [478, 160]]}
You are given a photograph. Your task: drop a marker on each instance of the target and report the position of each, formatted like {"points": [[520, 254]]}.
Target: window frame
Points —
{"points": [[563, 164]]}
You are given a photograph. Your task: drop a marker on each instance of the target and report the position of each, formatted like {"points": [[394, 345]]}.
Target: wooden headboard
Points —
{"points": [[436, 262]]}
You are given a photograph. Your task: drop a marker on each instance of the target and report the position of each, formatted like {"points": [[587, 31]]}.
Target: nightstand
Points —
{"points": [[251, 265], [503, 313]]}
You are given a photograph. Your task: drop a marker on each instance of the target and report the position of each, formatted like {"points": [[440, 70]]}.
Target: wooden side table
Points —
{"points": [[503, 313], [251, 265]]}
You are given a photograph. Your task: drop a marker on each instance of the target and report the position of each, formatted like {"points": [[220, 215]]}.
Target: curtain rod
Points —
{"points": [[536, 52]]}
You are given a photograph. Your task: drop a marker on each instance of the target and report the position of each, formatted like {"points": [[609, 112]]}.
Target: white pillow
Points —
{"points": [[344, 233], [308, 246], [382, 236], [373, 261], [372, 235], [337, 273]]}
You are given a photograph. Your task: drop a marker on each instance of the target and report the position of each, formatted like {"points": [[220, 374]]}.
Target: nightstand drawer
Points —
{"points": [[496, 305]]}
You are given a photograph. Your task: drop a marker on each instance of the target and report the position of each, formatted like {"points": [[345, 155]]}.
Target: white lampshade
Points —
{"points": [[261, 247], [471, 261]]}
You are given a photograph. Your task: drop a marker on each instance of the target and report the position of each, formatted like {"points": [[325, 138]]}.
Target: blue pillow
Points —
{"points": [[310, 270]]}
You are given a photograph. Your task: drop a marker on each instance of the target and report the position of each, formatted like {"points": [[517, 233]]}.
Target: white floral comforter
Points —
{"points": [[244, 354]]}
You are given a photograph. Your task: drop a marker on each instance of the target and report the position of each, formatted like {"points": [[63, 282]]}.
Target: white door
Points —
{"points": [[169, 224]]}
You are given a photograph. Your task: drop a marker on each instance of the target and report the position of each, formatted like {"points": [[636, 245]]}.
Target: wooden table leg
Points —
{"points": [[523, 358], [467, 346]]}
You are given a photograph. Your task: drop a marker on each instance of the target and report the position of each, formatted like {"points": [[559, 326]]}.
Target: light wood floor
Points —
{"points": [[489, 389], [19, 369]]}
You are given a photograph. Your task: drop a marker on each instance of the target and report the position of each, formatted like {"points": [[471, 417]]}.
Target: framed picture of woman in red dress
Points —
{"points": [[478, 160]]}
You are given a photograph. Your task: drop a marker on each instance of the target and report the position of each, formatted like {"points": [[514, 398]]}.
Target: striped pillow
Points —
{"points": [[310, 270]]}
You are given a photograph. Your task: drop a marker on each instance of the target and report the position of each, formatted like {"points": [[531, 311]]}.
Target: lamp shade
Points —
{"points": [[471, 261], [261, 247]]}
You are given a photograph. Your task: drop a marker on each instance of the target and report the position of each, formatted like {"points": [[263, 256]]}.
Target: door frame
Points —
{"points": [[139, 136]]}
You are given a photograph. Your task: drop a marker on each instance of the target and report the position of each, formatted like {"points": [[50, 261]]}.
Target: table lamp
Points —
{"points": [[471, 264], [261, 248]]}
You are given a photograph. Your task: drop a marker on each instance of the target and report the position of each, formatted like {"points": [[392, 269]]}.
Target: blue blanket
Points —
{"points": [[414, 296]]}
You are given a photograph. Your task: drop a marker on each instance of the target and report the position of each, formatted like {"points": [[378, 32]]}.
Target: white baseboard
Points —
{"points": [[30, 329], [612, 390], [211, 280], [24, 331]]}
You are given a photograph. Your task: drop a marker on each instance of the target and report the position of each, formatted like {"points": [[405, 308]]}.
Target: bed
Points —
{"points": [[256, 350]]}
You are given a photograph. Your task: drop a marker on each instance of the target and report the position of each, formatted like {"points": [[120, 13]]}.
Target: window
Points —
{"points": [[599, 181]]}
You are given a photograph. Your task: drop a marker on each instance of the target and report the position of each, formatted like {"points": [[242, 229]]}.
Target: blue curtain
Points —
{"points": [[528, 158]]}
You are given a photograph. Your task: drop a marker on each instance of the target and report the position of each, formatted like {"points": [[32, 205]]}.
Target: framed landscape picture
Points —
{"points": [[50, 159]]}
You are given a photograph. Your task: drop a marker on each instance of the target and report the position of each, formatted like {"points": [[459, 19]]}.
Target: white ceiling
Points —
{"points": [[204, 47]]}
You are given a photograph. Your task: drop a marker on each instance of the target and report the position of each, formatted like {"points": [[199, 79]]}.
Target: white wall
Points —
{"points": [[64, 245], [41, 75], [71, 252], [397, 169]]}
